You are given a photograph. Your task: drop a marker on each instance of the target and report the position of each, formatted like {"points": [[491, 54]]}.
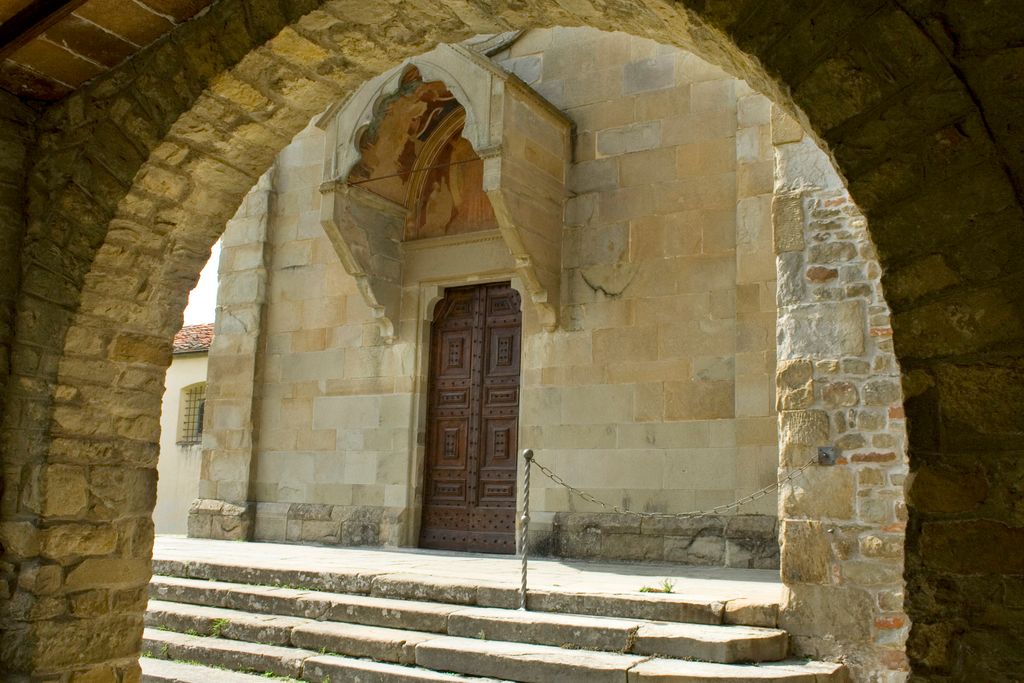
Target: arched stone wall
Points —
{"points": [[131, 175], [842, 526]]}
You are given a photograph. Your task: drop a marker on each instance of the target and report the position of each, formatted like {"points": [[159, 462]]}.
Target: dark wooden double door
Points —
{"points": [[469, 500]]}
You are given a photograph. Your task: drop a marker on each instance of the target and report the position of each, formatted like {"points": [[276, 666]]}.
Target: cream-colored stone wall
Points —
{"points": [[655, 392], [178, 465]]}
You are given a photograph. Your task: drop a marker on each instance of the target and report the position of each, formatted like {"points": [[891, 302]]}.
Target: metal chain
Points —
{"points": [[590, 498]]}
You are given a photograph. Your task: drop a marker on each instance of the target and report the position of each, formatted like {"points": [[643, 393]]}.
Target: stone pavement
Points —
{"points": [[709, 583]]}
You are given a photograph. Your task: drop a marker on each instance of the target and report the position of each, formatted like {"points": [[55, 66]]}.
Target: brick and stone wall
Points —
{"points": [[838, 384]]}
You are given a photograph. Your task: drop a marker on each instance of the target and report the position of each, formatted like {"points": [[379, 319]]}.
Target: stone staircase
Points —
{"points": [[210, 623]]}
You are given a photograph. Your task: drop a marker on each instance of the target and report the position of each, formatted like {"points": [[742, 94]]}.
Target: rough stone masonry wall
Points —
{"points": [[16, 138], [838, 385]]}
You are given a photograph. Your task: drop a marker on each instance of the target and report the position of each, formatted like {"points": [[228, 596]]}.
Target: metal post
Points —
{"points": [[525, 522]]}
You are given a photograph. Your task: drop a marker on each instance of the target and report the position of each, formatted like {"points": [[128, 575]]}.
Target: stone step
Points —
{"points": [[167, 671], [793, 671], [439, 589], [664, 639], [237, 655], [222, 623], [524, 662], [352, 640], [360, 609], [251, 616], [542, 664], [216, 660]]}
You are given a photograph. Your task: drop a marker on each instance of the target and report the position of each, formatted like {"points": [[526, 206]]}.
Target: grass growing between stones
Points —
{"points": [[666, 586], [218, 627]]}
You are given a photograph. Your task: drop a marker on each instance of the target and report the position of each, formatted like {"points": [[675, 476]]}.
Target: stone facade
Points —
{"points": [[134, 175], [654, 391]]}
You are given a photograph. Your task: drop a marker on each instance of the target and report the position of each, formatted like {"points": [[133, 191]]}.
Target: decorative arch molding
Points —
{"points": [[525, 145]]}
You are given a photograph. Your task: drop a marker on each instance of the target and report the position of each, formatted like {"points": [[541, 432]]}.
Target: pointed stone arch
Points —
{"points": [[524, 143]]}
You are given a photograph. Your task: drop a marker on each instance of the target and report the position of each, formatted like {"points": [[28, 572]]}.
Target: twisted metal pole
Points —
{"points": [[525, 523]]}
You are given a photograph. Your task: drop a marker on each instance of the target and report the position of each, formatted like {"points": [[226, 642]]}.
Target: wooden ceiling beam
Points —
{"points": [[32, 21]]}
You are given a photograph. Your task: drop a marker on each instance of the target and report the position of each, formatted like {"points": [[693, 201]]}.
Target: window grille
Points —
{"points": [[193, 405]]}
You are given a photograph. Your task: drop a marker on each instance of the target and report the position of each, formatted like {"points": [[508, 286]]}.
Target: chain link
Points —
{"points": [[590, 498]]}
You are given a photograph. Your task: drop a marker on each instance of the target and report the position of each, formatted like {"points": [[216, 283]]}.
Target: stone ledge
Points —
{"points": [[346, 525], [749, 541], [221, 520]]}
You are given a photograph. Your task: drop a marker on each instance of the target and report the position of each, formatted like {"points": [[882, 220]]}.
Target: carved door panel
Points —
{"points": [[472, 421]]}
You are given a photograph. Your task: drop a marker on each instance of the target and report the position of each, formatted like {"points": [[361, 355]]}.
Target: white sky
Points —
{"points": [[202, 301]]}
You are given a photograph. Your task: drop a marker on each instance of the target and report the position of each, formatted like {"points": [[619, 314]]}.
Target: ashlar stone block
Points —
{"points": [[788, 222], [649, 74], [632, 138], [822, 330], [785, 128]]}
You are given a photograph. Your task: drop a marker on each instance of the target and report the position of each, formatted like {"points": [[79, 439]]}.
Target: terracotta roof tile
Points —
{"points": [[194, 338]]}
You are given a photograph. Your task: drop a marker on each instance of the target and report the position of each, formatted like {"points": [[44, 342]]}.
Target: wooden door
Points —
{"points": [[469, 500]]}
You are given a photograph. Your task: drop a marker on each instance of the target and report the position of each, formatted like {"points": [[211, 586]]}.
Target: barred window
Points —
{"points": [[193, 404]]}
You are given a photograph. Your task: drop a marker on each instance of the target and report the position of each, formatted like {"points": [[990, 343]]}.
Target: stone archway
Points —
{"points": [[130, 175]]}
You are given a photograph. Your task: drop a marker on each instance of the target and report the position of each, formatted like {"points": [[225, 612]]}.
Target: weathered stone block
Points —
{"points": [[593, 176], [752, 553], [700, 550], [794, 389], [788, 222], [648, 74], [76, 540], [210, 518], [819, 331], [820, 492], [607, 522], [806, 553], [943, 546], [750, 527], [700, 399], [107, 572], [792, 287], [882, 392], [582, 544], [632, 138], [688, 527], [785, 128], [801, 613], [66, 491], [803, 428]]}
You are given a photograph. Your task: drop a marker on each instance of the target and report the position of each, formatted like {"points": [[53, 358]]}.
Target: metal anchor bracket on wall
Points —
{"points": [[828, 455]]}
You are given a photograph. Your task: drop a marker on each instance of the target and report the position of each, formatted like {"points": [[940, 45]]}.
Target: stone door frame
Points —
{"points": [[428, 295]]}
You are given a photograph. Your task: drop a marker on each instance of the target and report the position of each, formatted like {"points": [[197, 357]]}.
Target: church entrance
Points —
{"points": [[469, 500]]}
